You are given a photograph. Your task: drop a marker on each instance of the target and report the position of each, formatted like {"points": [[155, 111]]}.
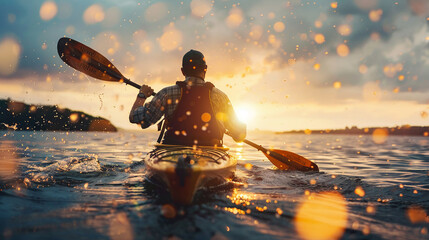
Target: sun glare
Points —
{"points": [[244, 113]]}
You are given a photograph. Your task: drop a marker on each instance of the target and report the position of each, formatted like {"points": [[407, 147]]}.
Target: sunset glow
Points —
{"points": [[281, 59], [245, 113]]}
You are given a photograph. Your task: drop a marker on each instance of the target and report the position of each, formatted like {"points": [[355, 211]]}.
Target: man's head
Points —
{"points": [[194, 64]]}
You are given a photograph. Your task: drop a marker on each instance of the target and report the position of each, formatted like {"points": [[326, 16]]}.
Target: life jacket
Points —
{"points": [[193, 122]]}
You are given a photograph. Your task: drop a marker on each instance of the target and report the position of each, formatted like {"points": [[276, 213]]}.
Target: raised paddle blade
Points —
{"points": [[286, 160], [87, 60]]}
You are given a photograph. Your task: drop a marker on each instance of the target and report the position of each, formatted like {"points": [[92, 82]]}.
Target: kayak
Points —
{"points": [[183, 170]]}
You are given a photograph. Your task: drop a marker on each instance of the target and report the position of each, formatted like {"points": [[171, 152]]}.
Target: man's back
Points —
{"points": [[165, 103]]}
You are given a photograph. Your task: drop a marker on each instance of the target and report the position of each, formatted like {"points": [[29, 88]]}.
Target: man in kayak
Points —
{"points": [[195, 112]]}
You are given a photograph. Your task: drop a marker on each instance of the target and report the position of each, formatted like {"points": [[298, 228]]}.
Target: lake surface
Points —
{"points": [[59, 185]]}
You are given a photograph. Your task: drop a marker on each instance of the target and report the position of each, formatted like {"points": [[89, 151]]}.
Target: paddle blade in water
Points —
{"points": [[286, 160], [87, 60]]}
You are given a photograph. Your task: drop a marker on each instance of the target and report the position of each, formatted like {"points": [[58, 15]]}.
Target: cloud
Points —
{"points": [[265, 52]]}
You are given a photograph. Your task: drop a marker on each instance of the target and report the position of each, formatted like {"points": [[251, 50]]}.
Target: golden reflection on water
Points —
{"points": [[240, 198], [322, 216], [8, 159], [120, 227]]}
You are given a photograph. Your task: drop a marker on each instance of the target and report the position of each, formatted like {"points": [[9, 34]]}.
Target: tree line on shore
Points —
{"points": [[20, 116]]}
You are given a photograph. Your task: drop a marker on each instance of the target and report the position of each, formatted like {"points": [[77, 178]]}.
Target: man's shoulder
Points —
{"points": [[169, 90], [218, 96], [219, 92]]}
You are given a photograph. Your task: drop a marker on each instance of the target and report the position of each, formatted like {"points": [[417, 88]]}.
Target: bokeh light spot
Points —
{"points": [[206, 117], [200, 8], [168, 211], [235, 18], [322, 216], [48, 10], [337, 85], [344, 30], [370, 209], [417, 214], [316, 66], [248, 166], [274, 41], [279, 26], [343, 50], [363, 68], [380, 135], [171, 38], [9, 58], [319, 38], [359, 191], [74, 117], [375, 15], [93, 14]]}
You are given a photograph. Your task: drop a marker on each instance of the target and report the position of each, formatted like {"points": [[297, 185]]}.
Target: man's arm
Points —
{"points": [[135, 113], [225, 115], [138, 103]]}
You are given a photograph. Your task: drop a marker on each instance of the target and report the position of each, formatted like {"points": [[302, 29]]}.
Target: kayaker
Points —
{"points": [[195, 112]]}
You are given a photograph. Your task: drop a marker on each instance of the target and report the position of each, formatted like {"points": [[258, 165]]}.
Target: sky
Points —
{"points": [[285, 65]]}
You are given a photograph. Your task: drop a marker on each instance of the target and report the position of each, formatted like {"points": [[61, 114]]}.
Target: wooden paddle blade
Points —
{"points": [[286, 160], [87, 60]]}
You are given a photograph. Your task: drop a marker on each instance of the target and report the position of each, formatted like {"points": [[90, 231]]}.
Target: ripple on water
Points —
{"points": [[92, 185]]}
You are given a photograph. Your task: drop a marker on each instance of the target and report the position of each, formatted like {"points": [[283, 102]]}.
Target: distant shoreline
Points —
{"points": [[405, 130], [19, 116]]}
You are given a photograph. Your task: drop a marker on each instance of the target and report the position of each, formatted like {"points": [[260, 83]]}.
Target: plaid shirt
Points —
{"points": [[165, 102]]}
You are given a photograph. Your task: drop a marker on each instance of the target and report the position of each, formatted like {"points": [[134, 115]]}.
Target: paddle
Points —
{"points": [[285, 160], [91, 62]]}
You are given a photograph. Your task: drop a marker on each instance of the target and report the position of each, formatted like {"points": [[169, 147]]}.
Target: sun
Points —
{"points": [[244, 113]]}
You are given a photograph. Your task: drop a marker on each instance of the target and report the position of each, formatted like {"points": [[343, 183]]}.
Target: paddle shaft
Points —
{"points": [[273, 154], [259, 147], [113, 74]]}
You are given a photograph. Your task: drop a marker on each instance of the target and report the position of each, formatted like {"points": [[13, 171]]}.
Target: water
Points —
{"points": [[92, 186]]}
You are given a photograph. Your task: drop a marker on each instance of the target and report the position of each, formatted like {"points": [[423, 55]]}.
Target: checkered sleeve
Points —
{"points": [[164, 102], [152, 111]]}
